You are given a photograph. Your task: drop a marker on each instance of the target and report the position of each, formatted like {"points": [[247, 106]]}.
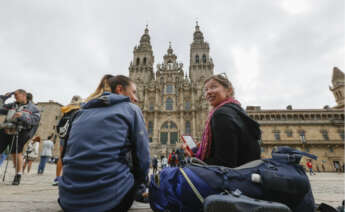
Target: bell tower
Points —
{"points": [[201, 64], [141, 67], [338, 87]]}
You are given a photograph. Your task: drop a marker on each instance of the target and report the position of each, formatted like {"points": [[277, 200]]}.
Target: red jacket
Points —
{"points": [[309, 165]]}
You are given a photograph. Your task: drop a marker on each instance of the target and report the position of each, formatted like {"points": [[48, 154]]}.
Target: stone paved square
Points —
{"points": [[36, 193]]}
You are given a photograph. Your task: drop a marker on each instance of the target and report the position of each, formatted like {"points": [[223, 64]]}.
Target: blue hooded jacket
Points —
{"points": [[97, 171]]}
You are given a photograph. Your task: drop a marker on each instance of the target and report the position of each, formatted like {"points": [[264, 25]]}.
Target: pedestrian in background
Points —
{"points": [[68, 113], [164, 162], [172, 159], [310, 167], [155, 164], [47, 152], [31, 153]]}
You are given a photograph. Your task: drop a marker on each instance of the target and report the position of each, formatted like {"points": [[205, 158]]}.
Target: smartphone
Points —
{"points": [[187, 139]]}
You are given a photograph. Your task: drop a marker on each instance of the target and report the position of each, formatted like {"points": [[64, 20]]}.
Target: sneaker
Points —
{"points": [[237, 202], [16, 180], [56, 181]]}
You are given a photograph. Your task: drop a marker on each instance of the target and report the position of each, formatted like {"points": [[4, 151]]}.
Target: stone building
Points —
{"points": [[50, 115], [318, 131], [172, 103]]}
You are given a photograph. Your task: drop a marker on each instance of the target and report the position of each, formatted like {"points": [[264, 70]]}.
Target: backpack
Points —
{"points": [[281, 179], [64, 123]]}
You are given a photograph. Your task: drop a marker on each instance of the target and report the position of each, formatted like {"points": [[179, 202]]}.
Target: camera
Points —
{"points": [[11, 125]]}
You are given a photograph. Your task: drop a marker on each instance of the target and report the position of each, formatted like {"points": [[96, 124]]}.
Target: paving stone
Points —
{"points": [[36, 193]]}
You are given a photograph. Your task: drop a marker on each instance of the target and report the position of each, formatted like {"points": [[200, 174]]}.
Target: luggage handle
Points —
{"points": [[195, 190]]}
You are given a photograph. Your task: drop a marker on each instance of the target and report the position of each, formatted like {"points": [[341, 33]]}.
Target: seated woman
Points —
{"points": [[230, 137]]}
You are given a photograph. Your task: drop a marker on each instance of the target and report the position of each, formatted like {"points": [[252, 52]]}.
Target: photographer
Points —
{"points": [[25, 118]]}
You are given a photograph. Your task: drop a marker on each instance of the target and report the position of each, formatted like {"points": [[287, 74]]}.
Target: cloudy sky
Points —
{"points": [[276, 52]]}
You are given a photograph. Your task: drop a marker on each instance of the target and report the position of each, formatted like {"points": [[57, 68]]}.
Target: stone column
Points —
{"points": [[155, 139], [145, 93], [181, 113], [193, 113]]}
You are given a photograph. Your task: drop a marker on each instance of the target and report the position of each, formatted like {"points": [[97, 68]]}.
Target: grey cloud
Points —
{"points": [[61, 48]]}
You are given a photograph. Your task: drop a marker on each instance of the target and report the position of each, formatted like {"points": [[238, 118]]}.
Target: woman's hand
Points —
{"points": [[184, 147]]}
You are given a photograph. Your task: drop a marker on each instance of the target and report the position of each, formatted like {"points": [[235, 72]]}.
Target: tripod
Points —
{"points": [[14, 140]]}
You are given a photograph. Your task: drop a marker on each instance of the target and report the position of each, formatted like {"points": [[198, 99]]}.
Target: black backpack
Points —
{"points": [[64, 123]]}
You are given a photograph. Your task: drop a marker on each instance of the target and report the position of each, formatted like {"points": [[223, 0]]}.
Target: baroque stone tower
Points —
{"points": [[338, 87], [172, 103], [201, 64]]}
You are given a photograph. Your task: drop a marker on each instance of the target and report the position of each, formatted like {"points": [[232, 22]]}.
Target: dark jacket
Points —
{"points": [[234, 137], [30, 118], [97, 173]]}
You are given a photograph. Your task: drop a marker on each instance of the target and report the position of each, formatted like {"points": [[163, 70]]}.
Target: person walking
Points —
{"points": [[47, 152], [155, 164], [164, 162], [310, 167], [172, 159], [180, 157], [31, 153]]}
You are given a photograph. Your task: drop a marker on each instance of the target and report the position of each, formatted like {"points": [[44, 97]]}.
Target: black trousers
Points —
{"points": [[5, 140], [126, 201]]}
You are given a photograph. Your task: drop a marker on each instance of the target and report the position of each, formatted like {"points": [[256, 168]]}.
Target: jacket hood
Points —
{"points": [[253, 126], [106, 99]]}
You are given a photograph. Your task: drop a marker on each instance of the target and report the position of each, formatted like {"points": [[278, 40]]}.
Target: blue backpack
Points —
{"points": [[280, 179]]}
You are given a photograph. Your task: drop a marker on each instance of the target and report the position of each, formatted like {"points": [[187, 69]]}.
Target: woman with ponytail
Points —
{"points": [[230, 137]]}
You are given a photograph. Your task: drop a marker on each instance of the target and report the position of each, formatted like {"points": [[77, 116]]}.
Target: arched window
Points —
{"points": [[173, 125], [203, 58], [197, 59], [150, 128], [144, 62], [151, 107], [187, 105], [188, 129], [168, 132], [169, 104], [138, 61], [164, 138], [169, 88]]}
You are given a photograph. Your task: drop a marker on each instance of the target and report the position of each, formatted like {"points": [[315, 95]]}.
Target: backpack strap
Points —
{"points": [[67, 136], [195, 190]]}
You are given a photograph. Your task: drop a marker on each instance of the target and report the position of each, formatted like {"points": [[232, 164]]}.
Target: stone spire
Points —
{"points": [[170, 57], [141, 68], [145, 39], [201, 65], [337, 88], [198, 36], [337, 77]]}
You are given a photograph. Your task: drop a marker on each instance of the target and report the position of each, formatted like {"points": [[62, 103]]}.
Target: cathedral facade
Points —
{"points": [[172, 103]]}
